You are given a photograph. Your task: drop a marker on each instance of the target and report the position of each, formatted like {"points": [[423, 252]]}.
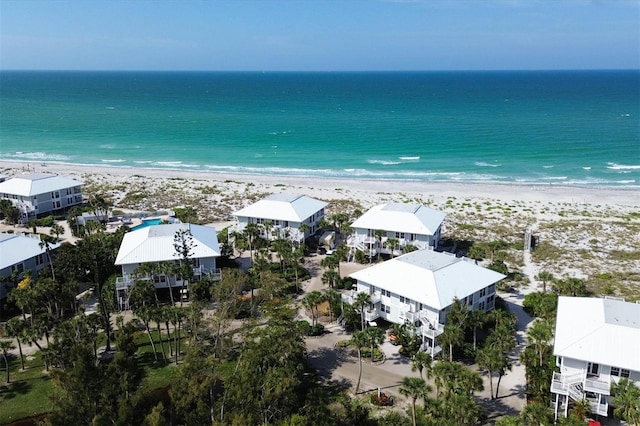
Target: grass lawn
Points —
{"points": [[28, 393]]}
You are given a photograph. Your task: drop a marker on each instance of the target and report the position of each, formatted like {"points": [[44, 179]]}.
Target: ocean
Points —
{"points": [[533, 127]]}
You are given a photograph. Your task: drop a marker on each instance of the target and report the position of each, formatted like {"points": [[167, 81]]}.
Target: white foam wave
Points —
{"points": [[107, 146], [586, 168], [38, 156], [614, 166], [547, 167], [555, 178], [409, 158], [383, 162], [119, 160], [483, 164], [143, 162]]}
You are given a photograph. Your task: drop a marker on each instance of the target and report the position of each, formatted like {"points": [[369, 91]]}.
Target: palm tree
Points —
{"points": [[452, 335], [144, 314], [539, 335], [414, 388], [421, 361], [333, 298], [375, 336], [359, 340], [251, 231], [379, 233], [56, 231], [536, 414], [311, 301], [392, 245], [15, 328], [330, 278], [476, 319], [44, 243], [362, 300], [5, 347], [545, 277], [626, 400], [489, 358]]}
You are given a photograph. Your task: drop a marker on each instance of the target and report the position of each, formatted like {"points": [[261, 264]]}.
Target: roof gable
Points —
{"points": [[156, 244], [294, 208], [401, 217], [36, 183], [16, 248], [603, 331], [431, 278]]}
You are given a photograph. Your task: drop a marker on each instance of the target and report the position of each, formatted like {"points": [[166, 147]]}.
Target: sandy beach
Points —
{"points": [[588, 233]]}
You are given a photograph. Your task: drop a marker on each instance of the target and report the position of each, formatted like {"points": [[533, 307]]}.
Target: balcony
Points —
{"points": [[431, 330], [371, 314], [594, 384], [561, 383]]}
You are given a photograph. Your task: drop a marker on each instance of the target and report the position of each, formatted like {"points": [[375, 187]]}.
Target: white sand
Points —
{"points": [[584, 224]]}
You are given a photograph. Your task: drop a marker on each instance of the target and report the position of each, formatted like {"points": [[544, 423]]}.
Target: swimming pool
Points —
{"points": [[148, 222]]}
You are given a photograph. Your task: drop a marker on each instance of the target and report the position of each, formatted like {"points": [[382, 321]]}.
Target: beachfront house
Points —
{"points": [[282, 216], [597, 342], [20, 253], [155, 246], [420, 287], [37, 194], [389, 228]]}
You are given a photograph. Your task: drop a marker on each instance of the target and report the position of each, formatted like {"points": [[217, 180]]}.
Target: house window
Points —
{"points": [[386, 293], [400, 235], [592, 368], [412, 237], [384, 308], [481, 306], [483, 292], [490, 298], [620, 372]]}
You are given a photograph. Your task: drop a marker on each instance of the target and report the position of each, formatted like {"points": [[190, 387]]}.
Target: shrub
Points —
{"points": [[382, 400], [316, 330], [304, 327]]}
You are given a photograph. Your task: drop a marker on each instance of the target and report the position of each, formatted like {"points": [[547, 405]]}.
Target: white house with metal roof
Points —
{"points": [[420, 287], [156, 245], [36, 194], [597, 342], [281, 216], [403, 223], [19, 253]]}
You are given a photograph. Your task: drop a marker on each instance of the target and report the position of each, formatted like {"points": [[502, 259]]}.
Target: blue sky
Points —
{"points": [[327, 35]]}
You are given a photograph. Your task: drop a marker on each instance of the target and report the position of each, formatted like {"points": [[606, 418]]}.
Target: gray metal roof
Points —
{"points": [[16, 248], [36, 183]]}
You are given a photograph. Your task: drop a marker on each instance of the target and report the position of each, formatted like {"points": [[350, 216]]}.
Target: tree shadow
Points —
{"points": [[518, 390], [16, 388], [496, 408], [326, 360]]}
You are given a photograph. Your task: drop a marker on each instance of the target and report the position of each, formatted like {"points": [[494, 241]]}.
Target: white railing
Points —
{"points": [[596, 385], [560, 383], [600, 408], [432, 330], [371, 314]]}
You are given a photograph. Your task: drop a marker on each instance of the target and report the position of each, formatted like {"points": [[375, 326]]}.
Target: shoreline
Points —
{"points": [[506, 192]]}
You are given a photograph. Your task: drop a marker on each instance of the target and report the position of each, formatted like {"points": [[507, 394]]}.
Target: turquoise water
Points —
{"points": [[147, 222], [570, 127]]}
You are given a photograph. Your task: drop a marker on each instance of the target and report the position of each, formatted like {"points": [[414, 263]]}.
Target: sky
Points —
{"points": [[319, 35]]}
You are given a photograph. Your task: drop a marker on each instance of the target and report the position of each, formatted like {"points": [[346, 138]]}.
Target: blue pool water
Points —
{"points": [[147, 222]]}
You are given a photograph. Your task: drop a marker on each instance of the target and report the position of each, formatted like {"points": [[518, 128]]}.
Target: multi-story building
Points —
{"points": [[597, 342], [37, 194], [281, 216], [156, 244], [400, 225], [20, 253], [420, 287]]}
